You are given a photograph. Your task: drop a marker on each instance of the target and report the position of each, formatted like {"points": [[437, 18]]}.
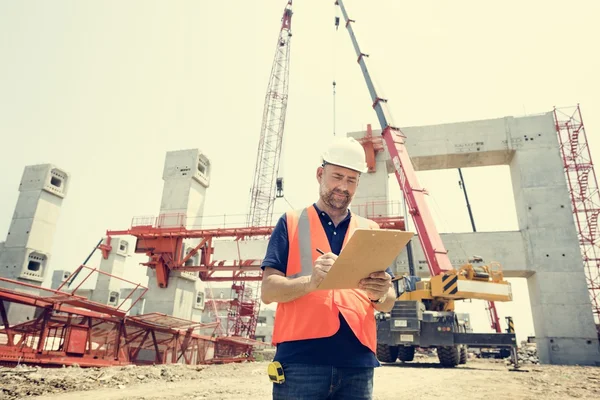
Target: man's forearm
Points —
{"points": [[279, 289], [388, 304]]}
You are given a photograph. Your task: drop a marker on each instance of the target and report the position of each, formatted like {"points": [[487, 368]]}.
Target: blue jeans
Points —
{"points": [[321, 382]]}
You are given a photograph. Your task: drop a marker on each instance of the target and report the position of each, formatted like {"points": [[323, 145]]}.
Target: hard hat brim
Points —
{"points": [[325, 162]]}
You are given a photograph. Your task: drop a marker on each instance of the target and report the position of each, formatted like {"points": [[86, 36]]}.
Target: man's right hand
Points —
{"points": [[320, 269]]}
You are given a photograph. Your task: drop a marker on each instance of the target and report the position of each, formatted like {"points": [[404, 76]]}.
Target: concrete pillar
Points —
{"points": [[562, 317], [372, 198], [108, 287], [545, 250], [26, 252], [58, 277], [186, 178]]}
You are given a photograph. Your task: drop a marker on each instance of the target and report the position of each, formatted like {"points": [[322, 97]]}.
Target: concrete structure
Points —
{"points": [[545, 250], [186, 178], [108, 287], [25, 255], [221, 295], [265, 324]]}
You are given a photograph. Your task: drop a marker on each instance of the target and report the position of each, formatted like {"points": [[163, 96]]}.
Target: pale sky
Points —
{"points": [[103, 89]]}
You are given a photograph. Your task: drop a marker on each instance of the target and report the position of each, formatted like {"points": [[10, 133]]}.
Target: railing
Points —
{"points": [[179, 220], [378, 209], [73, 292], [369, 209]]}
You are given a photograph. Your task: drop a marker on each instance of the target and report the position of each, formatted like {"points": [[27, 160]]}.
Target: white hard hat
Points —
{"points": [[346, 152]]}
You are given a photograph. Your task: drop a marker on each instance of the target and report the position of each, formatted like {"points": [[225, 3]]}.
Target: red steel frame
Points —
{"points": [[243, 313], [164, 247], [585, 197], [70, 329]]}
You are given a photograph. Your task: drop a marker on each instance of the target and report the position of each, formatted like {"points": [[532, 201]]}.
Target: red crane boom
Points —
{"points": [[414, 195]]}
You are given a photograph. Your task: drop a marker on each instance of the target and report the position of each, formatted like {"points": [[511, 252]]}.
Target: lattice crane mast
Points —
{"points": [[267, 186]]}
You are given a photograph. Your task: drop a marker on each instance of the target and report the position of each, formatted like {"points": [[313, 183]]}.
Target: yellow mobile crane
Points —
{"points": [[424, 315]]}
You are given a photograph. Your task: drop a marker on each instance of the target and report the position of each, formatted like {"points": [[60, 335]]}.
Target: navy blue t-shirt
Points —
{"points": [[343, 349]]}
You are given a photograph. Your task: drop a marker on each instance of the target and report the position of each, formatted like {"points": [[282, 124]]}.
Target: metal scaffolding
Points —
{"points": [[70, 329], [585, 197]]}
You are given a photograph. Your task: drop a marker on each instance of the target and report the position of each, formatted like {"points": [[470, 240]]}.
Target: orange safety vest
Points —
{"points": [[315, 315]]}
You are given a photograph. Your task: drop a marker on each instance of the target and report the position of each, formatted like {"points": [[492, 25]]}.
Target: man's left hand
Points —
{"points": [[376, 285]]}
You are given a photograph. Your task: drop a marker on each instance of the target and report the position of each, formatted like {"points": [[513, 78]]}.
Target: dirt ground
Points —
{"points": [[423, 379]]}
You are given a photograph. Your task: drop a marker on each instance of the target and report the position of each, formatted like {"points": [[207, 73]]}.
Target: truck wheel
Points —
{"points": [[463, 355], [406, 353], [387, 353], [449, 356]]}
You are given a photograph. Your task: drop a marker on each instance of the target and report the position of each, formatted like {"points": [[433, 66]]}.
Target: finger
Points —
{"points": [[325, 268], [327, 256], [375, 295], [380, 275], [324, 262], [385, 282], [380, 291], [375, 286], [320, 275]]}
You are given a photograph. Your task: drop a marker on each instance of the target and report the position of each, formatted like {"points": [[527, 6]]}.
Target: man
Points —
{"points": [[326, 339]]}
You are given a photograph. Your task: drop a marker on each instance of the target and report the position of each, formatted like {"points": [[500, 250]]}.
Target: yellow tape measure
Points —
{"points": [[275, 371]]}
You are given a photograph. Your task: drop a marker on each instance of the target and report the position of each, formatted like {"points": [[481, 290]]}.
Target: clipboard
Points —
{"points": [[367, 251]]}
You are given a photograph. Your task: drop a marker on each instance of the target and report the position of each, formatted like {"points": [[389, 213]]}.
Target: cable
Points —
{"points": [[333, 61], [286, 200], [334, 108]]}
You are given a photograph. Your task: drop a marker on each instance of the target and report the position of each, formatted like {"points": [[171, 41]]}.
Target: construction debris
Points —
{"points": [[248, 380], [527, 354], [24, 380]]}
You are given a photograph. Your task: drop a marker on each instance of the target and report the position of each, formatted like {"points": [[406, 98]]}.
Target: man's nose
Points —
{"points": [[343, 186]]}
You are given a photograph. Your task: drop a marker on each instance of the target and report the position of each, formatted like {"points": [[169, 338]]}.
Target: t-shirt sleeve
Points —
{"points": [[277, 250]]}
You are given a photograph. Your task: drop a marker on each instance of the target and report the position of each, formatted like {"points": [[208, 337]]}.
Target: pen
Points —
{"points": [[320, 251]]}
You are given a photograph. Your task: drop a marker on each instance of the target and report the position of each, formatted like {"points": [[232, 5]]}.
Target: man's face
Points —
{"points": [[337, 185]]}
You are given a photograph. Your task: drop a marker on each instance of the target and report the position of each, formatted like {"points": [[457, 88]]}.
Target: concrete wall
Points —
{"points": [[545, 250]]}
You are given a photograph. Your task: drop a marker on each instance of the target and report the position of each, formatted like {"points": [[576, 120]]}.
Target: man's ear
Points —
{"points": [[319, 174]]}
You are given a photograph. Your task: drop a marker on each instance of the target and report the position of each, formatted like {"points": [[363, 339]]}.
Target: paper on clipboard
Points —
{"points": [[367, 251]]}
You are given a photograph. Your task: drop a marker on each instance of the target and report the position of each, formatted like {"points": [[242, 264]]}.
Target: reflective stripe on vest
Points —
{"points": [[306, 250], [315, 315]]}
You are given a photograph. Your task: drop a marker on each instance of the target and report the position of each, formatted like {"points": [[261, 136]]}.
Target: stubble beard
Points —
{"points": [[333, 201]]}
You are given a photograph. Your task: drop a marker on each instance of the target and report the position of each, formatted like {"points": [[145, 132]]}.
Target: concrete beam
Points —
{"points": [[548, 250], [508, 248]]}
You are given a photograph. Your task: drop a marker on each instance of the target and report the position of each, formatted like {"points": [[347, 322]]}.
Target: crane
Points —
{"points": [[267, 185], [490, 305], [424, 313]]}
